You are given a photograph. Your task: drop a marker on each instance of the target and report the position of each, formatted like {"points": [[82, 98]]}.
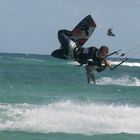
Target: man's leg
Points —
{"points": [[90, 74]]}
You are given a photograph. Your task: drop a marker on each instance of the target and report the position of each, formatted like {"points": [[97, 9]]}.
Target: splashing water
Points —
{"points": [[123, 81], [70, 117]]}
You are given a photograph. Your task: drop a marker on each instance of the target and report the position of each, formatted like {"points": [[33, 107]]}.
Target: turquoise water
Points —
{"points": [[42, 97]]}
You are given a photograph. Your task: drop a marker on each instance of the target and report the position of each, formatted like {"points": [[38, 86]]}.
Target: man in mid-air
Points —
{"points": [[92, 57]]}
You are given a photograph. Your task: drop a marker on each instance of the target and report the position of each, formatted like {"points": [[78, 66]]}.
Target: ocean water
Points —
{"points": [[44, 98]]}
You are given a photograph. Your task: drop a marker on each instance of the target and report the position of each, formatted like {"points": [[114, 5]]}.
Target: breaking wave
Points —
{"points": [[70, 117], [123, 81]]}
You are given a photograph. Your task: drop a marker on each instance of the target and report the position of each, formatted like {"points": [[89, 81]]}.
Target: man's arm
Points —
{"points": [[107, 63]]}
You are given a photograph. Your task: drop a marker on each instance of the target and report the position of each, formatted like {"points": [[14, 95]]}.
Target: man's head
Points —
{"points": [[103, 51]]}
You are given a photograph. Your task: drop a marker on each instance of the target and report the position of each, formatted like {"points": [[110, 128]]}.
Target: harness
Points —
{"points": [[89, 56]]}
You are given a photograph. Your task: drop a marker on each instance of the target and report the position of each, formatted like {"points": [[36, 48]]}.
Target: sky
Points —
{"points": [[31, 26]]}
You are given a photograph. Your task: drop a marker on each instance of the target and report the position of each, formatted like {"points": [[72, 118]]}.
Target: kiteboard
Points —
{"points": [[80, 34]]}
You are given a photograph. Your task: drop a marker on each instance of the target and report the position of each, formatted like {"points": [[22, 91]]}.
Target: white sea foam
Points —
{"points": [[123, 81], [73, 63], [70, 117], [130, 64]]}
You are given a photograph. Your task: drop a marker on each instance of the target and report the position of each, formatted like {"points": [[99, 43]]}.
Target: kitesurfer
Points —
{"points": [[91, 54], [94, 59], [110, 33]]}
